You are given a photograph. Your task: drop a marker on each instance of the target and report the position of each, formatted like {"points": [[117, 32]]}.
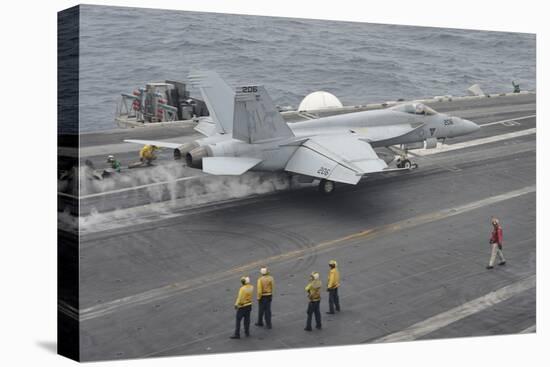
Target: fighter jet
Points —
{"points": [[245, 132]]}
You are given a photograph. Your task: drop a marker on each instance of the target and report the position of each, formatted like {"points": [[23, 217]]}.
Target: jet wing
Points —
{"points": [[162, 144], [233, 166], [340, 158]]}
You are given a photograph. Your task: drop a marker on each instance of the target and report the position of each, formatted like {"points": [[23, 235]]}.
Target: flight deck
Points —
{"points": [[161, 257]]}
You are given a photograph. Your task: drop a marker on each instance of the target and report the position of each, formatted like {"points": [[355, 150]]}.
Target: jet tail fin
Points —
{"points": [[255, 117], [218, 96]]}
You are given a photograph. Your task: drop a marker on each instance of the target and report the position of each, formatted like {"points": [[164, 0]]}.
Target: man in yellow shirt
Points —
{"points": [[313, 290], [243, 305], [332, 287], [265, 293], [147, 154]]}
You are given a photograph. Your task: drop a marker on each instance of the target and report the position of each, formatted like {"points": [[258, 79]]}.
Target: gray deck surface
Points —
{"points": [[411, 246]]}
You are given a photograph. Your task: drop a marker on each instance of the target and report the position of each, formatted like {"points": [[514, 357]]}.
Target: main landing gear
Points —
{"points": [[327, 187]]}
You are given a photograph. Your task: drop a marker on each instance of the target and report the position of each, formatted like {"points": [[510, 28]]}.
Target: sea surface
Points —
{"points": [[123, 48]]}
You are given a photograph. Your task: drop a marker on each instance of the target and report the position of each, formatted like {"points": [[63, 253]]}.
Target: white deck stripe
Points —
{"points": [[457, 313], [509, 120], [530, 329], [492, 139], [135, 187]]}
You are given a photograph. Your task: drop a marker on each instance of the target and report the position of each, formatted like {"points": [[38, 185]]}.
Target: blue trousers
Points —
{"points": [[333, 300], [243, 313], [264, 310], [313, 309]]}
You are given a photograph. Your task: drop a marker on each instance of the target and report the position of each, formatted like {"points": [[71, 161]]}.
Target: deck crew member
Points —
{"points": [[147, 154], [265, 294], [313, 290], [496, 244], [113, 163], [243, 305], [332, 287]]}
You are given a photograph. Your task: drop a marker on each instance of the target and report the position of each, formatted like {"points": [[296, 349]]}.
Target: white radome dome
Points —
{"points": [[319, 100]]}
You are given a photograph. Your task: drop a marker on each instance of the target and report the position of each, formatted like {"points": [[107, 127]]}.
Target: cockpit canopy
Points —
{"points": [[414, 108]]}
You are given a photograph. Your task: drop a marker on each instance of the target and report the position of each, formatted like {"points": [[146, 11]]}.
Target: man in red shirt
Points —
{"points": [[496, 244]]}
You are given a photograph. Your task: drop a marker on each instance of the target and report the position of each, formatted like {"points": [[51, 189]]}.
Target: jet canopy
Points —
{"points": [[414, 108]]}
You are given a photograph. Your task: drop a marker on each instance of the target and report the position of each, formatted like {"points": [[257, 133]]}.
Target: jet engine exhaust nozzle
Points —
{"points": [[195, 156], [182, 151]]}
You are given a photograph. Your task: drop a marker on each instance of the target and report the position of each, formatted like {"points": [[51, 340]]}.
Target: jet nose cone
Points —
{"points": [[468, 127]]}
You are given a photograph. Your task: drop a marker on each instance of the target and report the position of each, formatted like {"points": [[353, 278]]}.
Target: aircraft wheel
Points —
{"points": [[406, 164], [327, 187]]}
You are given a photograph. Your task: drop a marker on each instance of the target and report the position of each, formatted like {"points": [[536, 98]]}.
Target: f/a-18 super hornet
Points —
{"points": [[245, 132]]}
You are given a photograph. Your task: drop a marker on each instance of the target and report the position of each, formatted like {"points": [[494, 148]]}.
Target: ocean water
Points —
{"points": [[123, 48]]}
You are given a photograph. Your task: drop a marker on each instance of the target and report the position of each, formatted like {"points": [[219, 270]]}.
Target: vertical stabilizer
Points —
{"points": [[256, 118], [218, 96]]}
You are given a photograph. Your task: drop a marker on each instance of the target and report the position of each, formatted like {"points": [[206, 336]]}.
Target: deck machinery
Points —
{"points": [[158, 102]]}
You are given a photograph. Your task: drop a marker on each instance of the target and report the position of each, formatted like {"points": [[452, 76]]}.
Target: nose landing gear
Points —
{"points": [[405, 163], [402, 160]]}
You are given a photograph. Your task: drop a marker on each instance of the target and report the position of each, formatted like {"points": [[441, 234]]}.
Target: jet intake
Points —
{"points": [[184, 149], [195, 156]]}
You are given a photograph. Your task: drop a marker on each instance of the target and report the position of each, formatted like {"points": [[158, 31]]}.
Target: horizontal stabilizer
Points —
{"points": [[233, 166], [162, 144]]}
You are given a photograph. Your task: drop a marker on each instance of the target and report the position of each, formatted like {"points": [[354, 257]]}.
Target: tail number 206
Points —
{"points": [[249, 89]]}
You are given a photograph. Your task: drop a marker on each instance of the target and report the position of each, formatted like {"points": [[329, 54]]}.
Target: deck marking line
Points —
{"points": [[443, 319], [530, 329], [187, 178], [508, 120], [441, 148]]}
